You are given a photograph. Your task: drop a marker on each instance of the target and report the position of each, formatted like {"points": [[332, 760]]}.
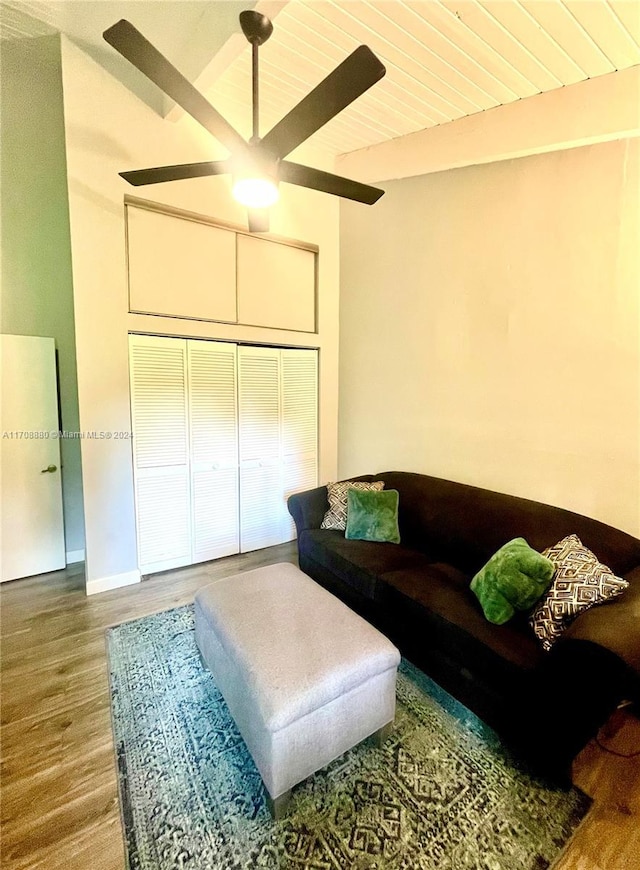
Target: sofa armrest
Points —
{"points": [[308, 508], [614, 625]]}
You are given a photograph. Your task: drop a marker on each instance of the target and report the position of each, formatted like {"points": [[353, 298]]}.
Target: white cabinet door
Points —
{"points": [[213, 416], [299, 427], [179, 267], [259, 415], [276, 285], [158, 371]]}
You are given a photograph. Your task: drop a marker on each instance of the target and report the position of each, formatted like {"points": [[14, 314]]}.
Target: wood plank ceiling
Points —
{"points": [[444, 59]]}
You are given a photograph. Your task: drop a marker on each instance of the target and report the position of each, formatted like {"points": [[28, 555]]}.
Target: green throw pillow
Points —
{"points": [[372, 516], [513, 579]]}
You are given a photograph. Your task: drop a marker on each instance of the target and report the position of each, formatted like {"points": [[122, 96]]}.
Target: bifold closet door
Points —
{"points": [[222, 436], [158, 371], [278, 402], [260, 472], [299, 429], [213, 418], [184, 415]]}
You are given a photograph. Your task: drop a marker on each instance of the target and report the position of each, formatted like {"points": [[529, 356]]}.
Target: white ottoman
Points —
{"points": [[305, 678]]}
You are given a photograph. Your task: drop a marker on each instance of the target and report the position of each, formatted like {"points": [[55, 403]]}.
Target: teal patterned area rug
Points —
{"points": [[442, 794]]}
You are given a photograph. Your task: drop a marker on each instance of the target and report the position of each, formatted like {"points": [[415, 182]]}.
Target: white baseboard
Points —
{"points": [[74, 556], [104, 584]]}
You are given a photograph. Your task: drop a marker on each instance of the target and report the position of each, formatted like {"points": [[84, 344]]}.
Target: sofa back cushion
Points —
{"points": [[465, 525]]}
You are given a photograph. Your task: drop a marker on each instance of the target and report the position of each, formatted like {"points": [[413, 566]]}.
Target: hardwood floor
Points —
{"points": [[59, 792]]}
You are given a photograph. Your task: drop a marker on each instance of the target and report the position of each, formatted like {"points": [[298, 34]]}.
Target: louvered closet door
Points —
{"points": [[213, 416], [260, 475], [299, 427], [158, 371]]}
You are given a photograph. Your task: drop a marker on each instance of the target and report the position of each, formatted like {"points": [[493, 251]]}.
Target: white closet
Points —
{"points": [[222, 435]]}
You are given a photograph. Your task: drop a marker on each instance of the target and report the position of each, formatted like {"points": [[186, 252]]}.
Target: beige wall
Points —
{"points": [[37, 293], [489, 322], [109, 130]]}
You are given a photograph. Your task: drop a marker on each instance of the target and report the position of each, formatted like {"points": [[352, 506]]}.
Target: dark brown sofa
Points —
{"points": [[547, 705]]}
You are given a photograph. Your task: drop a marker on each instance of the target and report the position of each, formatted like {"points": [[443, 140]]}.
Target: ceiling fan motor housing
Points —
{"points": [[255, 26], [255, 162]]}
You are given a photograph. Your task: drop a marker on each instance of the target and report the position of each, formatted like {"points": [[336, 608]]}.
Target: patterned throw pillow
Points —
{"points": [[336, 516], [579, 582]]}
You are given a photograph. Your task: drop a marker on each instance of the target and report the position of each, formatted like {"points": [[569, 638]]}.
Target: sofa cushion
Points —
{"points": [[439, 597], [359, 564]]}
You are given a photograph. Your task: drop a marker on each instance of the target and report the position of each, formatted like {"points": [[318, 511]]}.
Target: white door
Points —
{"points": [[260, 472], [278, 408], [158, 371], [30, 478], [213, 427]]}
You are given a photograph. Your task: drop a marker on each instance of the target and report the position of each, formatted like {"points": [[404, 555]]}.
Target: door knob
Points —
{"points": [[49, 469]]}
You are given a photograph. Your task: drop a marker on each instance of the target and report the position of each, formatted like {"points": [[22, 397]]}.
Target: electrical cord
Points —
{"points": [[615, 752], [602, 746]]}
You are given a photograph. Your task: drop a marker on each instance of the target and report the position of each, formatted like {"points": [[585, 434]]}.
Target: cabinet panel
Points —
{"points": [[179, 267], [158, 371], [213, 417], [298, 475], [299, 402], [213, 406], [259, 403], [276, 285], [216, 530], [259, 416], [164, 529], [159, 401], [260, 505]]}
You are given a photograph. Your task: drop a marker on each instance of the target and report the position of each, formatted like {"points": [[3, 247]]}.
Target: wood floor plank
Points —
{"points": [[59, 790], [63, 737], [39, 700], [51, 792], [58, 839], [609, 839]]}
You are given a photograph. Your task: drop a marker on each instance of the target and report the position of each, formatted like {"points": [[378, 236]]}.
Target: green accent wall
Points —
{"points": [[37, 289]]}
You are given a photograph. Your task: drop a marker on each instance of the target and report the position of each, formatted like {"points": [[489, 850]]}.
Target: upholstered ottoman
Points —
{"points": [[304, 677]]}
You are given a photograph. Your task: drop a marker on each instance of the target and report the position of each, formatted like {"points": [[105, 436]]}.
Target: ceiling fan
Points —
{"points": [[257, 166]]}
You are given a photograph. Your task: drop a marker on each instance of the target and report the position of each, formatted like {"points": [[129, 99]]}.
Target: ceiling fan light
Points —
{"points": [[255, 191]]}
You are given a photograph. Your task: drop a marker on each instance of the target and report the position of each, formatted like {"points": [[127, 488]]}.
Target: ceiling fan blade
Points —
{"points": [[133, 46], [347, 82], [258, 220], [316, 179], [159, 174]]}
